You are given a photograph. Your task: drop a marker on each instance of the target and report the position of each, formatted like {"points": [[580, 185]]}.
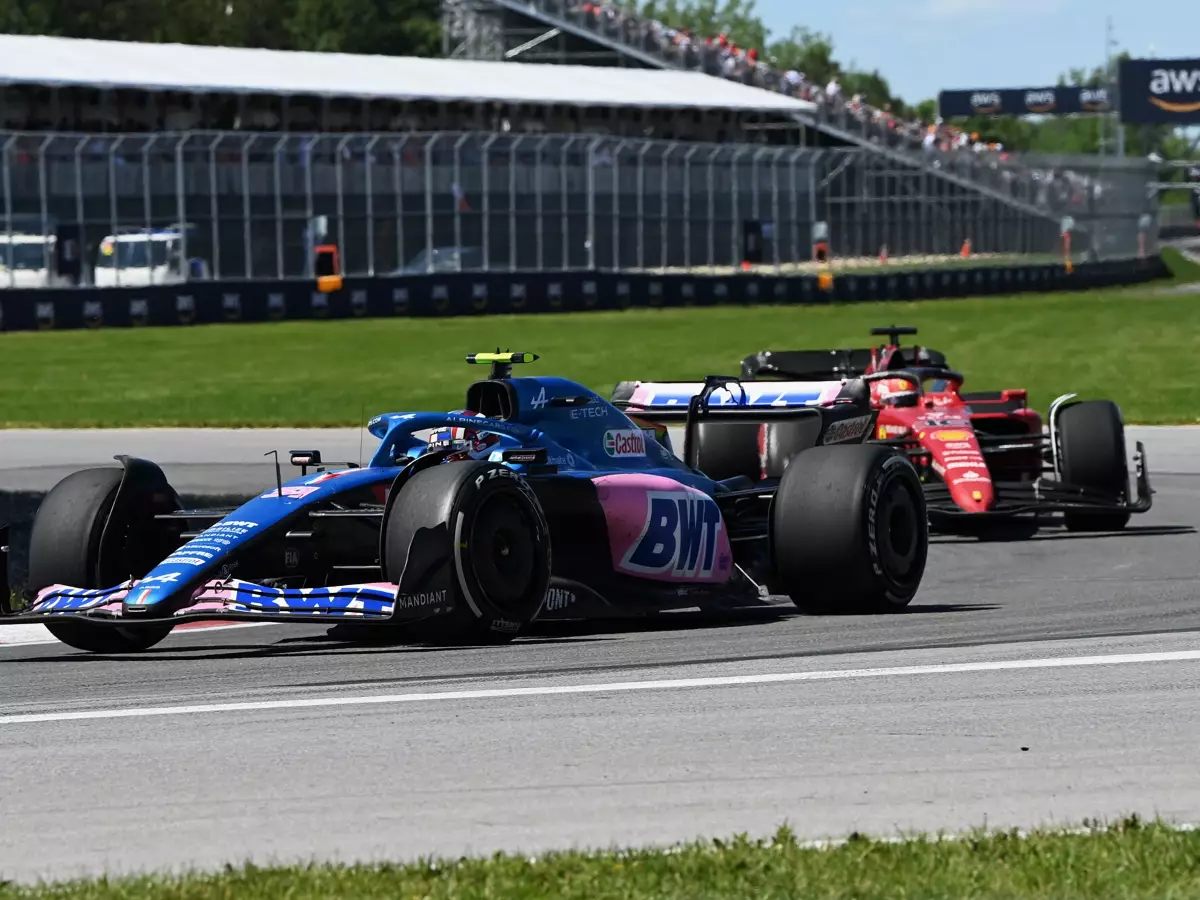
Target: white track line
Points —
{"points": [[555, 690], [29, 635]]}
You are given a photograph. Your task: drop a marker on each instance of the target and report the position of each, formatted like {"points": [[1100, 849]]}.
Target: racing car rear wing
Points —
{"points": [[845, 419]]}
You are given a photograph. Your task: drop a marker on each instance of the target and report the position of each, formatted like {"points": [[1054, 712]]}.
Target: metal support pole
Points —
{"points": [[591, 203], [309, 211], [455, 188], [812, 198], [735, 207], [214, 207], [712, 212], [43, 194], [775, 230], [539, 199], [276, 153], [79, 217], [687, 207], [247, 211], [181, 197], [369, 177], [112, 201], [564, 195], [754, 204], [641, 206], [664, 196], [512, 203], [487, 200], [615, 204], [339, 181], [147, 216], [398, 198], [429, 201], [8, 198]]}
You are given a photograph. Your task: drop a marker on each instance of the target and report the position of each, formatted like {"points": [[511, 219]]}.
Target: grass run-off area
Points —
{"points": [[1138, 346], [1128, 860]]}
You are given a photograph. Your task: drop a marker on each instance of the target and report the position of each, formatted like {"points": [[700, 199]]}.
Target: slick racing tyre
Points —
{"points": [[478, 529], [849, 530], [64, 548], [1091, 441]]}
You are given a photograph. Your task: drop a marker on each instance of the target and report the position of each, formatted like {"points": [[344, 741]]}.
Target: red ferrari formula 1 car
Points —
{"points": [[986, 458], [989, 464]]}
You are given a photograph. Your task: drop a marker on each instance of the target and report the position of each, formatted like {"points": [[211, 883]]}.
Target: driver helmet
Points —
{"points": [[464, 442], [894, 392]]}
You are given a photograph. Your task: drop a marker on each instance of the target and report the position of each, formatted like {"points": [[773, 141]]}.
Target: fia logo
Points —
{"points": [[540, 400]]}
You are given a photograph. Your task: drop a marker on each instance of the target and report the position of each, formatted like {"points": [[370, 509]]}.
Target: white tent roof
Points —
{"points": [[56, 61]]}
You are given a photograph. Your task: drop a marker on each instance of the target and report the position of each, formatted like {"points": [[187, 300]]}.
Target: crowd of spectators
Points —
{"points": [[946, 146], [720, 56]]}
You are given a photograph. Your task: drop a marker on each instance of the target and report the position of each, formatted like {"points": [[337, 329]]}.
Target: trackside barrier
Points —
{"points": [[492, 293]]}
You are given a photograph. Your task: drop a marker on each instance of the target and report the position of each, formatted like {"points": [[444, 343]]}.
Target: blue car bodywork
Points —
{"points": [[604, 476]]}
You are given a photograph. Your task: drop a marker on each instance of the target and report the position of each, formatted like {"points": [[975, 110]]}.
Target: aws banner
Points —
{"points": [[1046, 101], [1160, 91]]}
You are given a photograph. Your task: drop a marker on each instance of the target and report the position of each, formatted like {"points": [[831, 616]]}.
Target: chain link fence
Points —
{"points": [[168, 207]]}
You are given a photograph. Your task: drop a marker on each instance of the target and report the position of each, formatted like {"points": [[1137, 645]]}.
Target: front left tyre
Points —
{"points": [[478, 528], [1091, 444], [65, 548]]}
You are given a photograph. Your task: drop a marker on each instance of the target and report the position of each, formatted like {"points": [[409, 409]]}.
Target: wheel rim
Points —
{"points": [[503, 551], [899, 544]]}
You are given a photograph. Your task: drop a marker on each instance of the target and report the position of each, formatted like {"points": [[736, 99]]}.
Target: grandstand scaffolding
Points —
{"points": [[485, 30]]}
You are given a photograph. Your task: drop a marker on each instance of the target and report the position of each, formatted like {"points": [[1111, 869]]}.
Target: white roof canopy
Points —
{"points": [[60, 62]]}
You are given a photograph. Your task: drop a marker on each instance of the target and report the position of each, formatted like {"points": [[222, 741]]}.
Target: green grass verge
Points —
{"points": [[1183, 270], [1139, 347], [1128, 860]]}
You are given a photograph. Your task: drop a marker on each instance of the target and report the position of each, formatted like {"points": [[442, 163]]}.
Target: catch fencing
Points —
{"points": [[397, 203]]}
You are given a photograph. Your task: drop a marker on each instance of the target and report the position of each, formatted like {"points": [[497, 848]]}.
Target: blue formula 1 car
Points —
{"points": [[539, 500]]}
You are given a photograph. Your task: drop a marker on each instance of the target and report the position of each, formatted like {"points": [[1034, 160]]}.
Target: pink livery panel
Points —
{"points": [[663, 530]]}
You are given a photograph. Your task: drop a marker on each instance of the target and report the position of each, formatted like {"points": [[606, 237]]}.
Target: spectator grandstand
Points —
{"points": [[65, 85], [237, 160], [572, 30], [653, 43]]}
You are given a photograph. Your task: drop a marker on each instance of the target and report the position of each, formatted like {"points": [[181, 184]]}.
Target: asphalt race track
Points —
{"points": [[1030, 683]]}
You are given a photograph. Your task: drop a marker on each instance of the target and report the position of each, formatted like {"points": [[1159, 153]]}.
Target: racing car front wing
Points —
{"points": [[235, 600], [1048, 495]]}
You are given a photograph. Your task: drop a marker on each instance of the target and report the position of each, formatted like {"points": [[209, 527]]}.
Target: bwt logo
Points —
{"points": [[679, 537]]}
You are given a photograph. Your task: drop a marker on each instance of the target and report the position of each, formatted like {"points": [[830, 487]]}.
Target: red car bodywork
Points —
{"points": [[981, 455], [942, 430]]}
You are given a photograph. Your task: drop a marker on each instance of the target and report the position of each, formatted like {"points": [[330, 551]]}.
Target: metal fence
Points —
{"points": [[545, 202]]}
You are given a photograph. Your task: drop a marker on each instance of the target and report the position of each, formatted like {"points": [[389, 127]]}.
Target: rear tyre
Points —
{"points": [[849, 530], [1091, 438], [491, 538], [64, 548]]}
